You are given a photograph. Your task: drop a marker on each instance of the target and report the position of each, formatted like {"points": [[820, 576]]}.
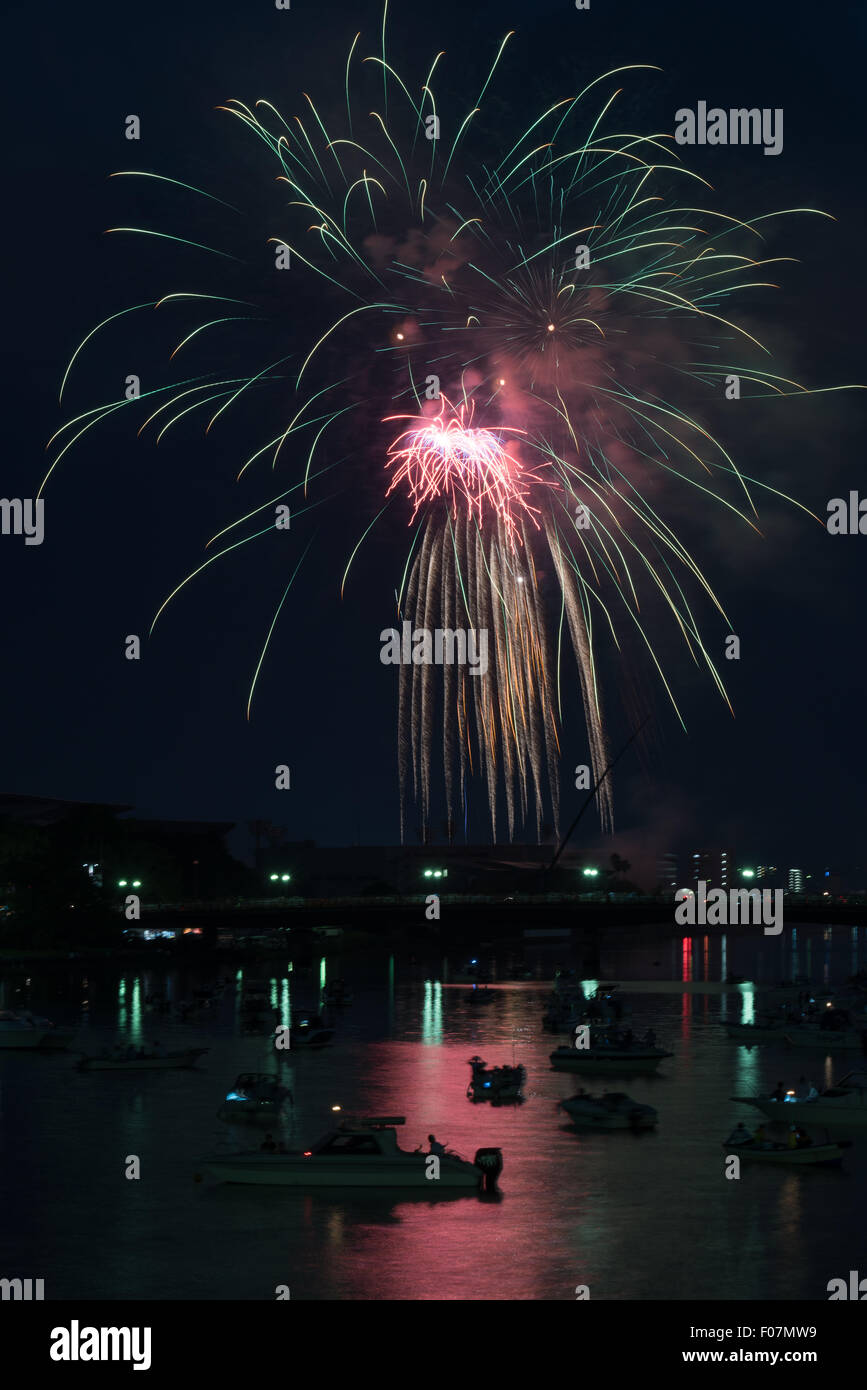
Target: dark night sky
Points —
{"points": [[125, 521]]}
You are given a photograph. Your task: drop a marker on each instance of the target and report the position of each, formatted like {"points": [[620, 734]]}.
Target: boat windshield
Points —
{"points": [[350, 1144]]}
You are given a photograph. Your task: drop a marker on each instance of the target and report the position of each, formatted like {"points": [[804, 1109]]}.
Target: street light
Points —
{"points": [[748, 873], [436, 873], [126, 883], [590, 873]]}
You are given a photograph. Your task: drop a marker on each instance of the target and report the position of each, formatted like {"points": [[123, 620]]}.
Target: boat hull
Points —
{"points": [[825, 1039], [583, 1119], [817, 1155], [280, 1170], [263, 1112], [605, 1064], [826, 1115]]}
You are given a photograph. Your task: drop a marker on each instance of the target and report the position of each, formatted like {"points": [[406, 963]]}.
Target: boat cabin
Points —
{"points": [[356, 1136]]}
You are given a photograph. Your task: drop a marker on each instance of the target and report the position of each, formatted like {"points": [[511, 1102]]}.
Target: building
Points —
{"points": [[667, 874], [796, 881], [715, 867]]}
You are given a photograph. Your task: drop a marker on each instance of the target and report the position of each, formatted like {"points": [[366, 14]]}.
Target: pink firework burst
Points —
{"points": [[445, 455]]}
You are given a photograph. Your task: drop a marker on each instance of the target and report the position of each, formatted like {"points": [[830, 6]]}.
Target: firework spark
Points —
{"points": [[444, 456], [576, 306]]}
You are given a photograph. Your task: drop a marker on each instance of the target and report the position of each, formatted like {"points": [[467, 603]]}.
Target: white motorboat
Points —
{"points": [[609, 1060], [495, 1083], [26, 1030], [611, 1110], [256, 1097], [360, 1153], [840, 1106], [149, 1061]]}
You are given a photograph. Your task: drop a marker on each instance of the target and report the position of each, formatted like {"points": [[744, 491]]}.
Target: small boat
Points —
{"points": [[25, 1030], [495, 1083], [834, 1029], [611, 1110], [255, 1096], [609, 1060], [149, 1062], [481, 995], [309, 1031], [841, 1105], [471, 974], [756, 1152], [362, 1152]]}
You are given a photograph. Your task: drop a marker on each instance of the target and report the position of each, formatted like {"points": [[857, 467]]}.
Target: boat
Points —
{"points": [[495, 1083], [609, 1060], [362, 1152], [308, 1031], [26, 1030], [611, 1110], [481, 995], [817, 1154], [473, 973], [255, 1096], [149, 1062], [833, 1032], [843, 1104]]}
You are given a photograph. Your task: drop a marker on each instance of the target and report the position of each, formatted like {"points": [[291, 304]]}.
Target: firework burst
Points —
{"points": [[560, 287]]}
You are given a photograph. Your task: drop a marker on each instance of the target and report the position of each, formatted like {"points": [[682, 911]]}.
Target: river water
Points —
{"points": [[648, 1216]]}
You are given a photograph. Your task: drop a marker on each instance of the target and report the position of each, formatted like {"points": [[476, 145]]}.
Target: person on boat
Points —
{"points": [[740, 1135], [813, 1093], [760, 1136], [792, 1140], [780, 1092], [628, 1038], [436, 1147], [159, 1050], [268, 1146]]}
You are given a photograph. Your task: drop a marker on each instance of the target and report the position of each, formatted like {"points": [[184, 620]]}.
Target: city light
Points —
{"points": [[748, 873], [129, 883], [436, 873], [590, 873]]}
